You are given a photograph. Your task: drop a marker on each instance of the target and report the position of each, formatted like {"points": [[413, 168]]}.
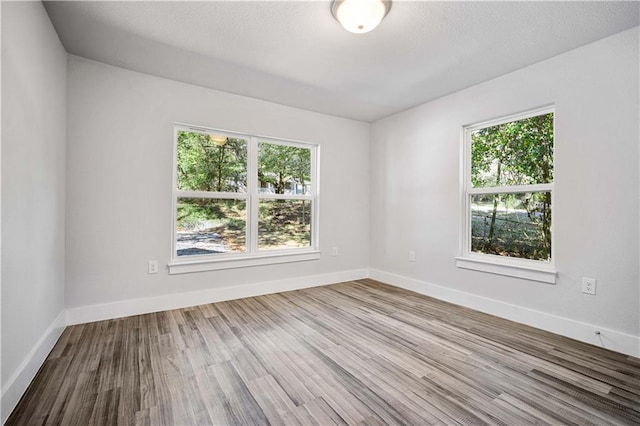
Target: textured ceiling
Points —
{"points": [[294, 53]]}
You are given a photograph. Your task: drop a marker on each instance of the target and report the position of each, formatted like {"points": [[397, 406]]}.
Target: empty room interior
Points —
{"points": [[320, 212]]}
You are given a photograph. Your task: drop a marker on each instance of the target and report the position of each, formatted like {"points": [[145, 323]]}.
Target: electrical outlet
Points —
{"points": [[589, 285], [153, 266], [334, 251], [412, 256]]}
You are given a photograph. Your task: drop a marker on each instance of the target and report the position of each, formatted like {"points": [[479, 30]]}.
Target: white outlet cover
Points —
{"points": [[589, 285]]}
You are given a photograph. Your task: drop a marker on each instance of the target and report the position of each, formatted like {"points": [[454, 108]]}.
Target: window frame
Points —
{"points": [[535, 270], [252, 256]]}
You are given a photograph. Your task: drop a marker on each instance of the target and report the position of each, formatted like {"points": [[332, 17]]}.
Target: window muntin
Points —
{"points": [[508, 188], [239, 195]]}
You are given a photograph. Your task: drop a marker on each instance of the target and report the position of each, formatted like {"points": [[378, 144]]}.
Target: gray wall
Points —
{"points": [[415, 171], [119, 173], [34, 66]]}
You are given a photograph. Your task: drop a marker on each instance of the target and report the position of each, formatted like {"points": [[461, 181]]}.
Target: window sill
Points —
{"points": [[208, 264], [510, 267]]}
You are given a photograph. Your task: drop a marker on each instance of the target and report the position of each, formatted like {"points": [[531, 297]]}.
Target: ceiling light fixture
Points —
{"points": [[360, 16], [218, 140]]}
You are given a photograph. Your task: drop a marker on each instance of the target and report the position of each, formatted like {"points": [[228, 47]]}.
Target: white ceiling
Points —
{"points": [[295, 53]]}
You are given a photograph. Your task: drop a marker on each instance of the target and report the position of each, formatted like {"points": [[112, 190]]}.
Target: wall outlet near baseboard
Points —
{"points": [[412, 256], [153, 266], [588, 285], [334, 251]]}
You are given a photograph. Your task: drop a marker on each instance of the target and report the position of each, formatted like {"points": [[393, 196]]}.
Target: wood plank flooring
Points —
{"points": [[353, 353]]}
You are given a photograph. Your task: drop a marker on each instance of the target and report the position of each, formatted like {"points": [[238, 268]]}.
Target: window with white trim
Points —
{"points": [[240, 197], [507, 192]]}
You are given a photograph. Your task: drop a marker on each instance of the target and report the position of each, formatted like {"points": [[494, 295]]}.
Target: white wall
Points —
{"points": [[33, 193], [120, 143], [415, 173]]}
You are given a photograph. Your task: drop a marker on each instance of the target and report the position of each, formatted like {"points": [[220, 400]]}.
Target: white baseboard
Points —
{"points": [[26, 371], [125, 308], [611, 339]]}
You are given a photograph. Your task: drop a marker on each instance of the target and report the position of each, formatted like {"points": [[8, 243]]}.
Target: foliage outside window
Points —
{"points": [[242, 195], [509, 187]]}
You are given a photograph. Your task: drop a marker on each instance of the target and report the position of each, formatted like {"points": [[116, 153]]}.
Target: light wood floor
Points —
{"points": [[355, 353]]}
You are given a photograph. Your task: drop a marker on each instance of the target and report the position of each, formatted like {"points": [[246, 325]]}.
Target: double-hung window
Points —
{"points": [[507, 194], [242, 200]]}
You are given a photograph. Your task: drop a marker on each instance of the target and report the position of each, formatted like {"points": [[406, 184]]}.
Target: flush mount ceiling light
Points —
{"points": [[360, 16], [218, 140]]}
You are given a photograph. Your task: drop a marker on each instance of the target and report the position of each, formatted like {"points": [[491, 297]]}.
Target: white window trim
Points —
{"points": [[242, 261], [253, 257], [534, 270]]}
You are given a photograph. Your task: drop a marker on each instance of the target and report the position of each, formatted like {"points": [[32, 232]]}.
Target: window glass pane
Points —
{"points": [[513, 225], [515, 153], [207, 226], [284, 169], [284, 224], [211, 163]]}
